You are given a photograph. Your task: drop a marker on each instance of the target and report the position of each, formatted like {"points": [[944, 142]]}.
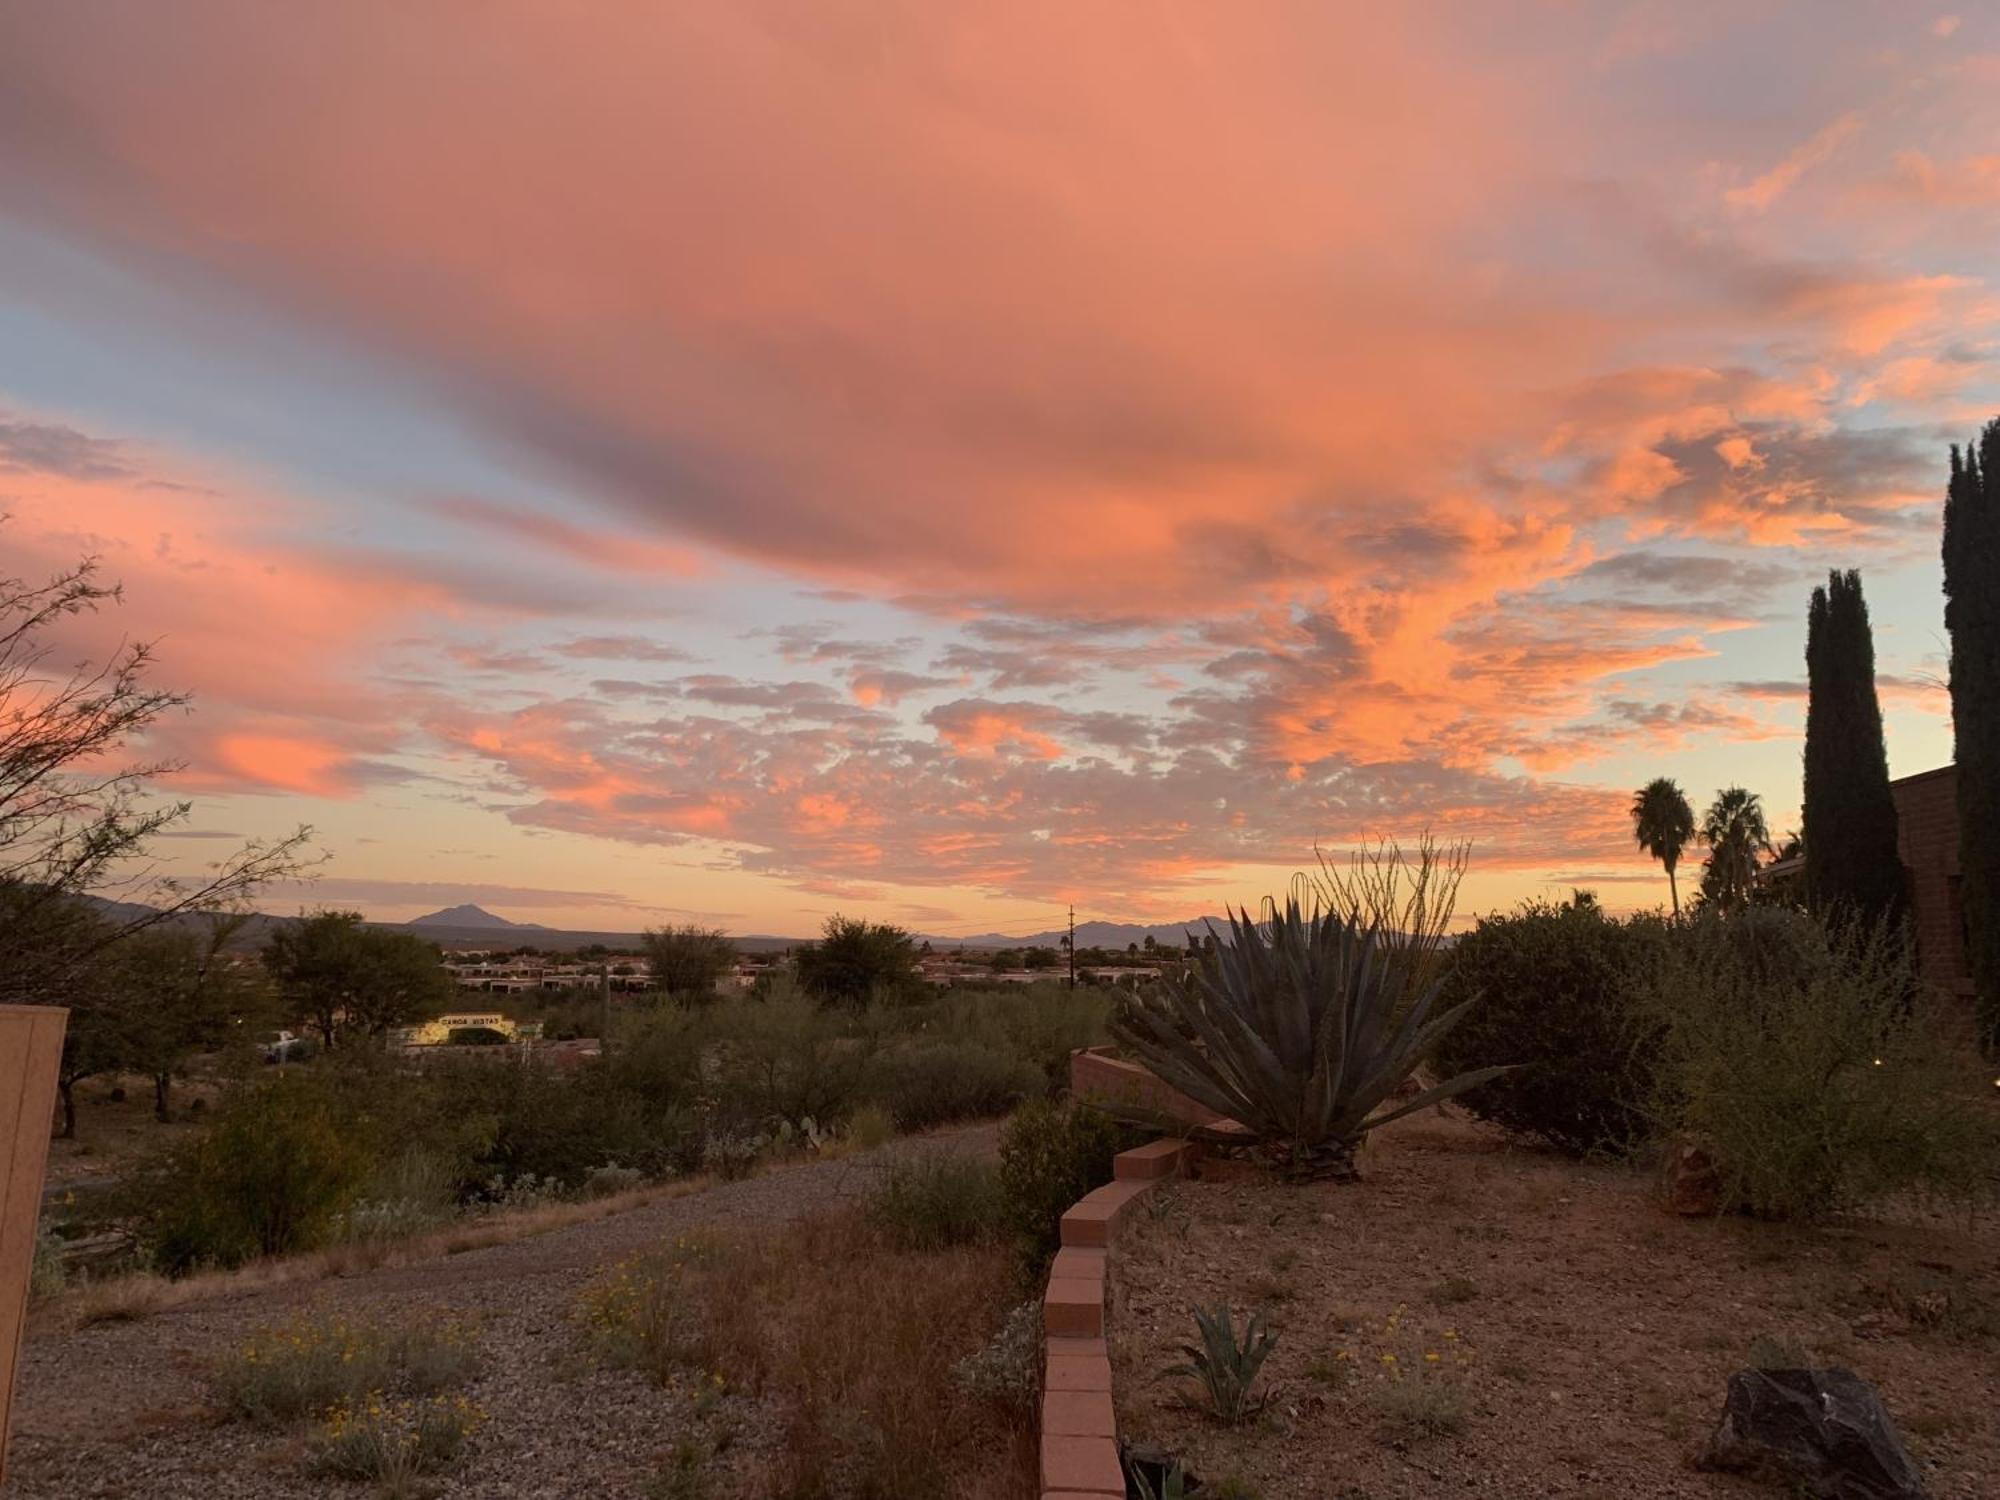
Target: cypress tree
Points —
{"points": [[1850, 813], [1972, 617]]}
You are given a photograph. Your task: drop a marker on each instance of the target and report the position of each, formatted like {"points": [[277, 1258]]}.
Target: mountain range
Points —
{"points": [[470, 926]]}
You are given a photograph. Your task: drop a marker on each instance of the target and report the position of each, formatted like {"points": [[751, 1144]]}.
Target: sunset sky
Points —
{"points": [[734, 462]]}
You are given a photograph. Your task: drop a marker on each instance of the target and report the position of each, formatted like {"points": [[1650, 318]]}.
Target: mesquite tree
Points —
{"points": [[76, 818]]}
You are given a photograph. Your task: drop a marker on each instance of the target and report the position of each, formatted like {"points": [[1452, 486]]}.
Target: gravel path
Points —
{"points": [[120, 1410]]}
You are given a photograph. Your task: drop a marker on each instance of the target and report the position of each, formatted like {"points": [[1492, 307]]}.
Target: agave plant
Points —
{"points": [[1298, 1029], [1225, 1369]]}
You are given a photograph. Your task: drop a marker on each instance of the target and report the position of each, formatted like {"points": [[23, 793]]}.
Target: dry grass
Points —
{"points": [[119, 1299], [853, 1339]]}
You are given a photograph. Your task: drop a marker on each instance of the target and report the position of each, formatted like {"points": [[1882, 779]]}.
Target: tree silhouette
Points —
{"points": [[1663, 823], [1850, 813], [1972, 616], [1736, 834]]}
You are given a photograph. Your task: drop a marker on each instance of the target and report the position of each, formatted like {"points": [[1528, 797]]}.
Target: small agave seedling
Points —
{"points": [[1225, 1369], [1173, 1484], [1297, 1028]]}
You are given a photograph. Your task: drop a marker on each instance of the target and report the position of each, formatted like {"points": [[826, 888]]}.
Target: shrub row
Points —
{"points": [[1806, 1060], [359, 1144]]}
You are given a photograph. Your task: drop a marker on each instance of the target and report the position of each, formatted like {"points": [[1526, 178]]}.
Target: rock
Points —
{"points": [[1823, 1430], [1690, 1183]]}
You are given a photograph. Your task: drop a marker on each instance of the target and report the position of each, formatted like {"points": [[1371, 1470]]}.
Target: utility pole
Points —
{"points": [[1072, 946]]}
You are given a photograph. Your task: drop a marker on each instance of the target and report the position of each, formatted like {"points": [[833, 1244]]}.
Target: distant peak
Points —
{"points": [[465, 916]]}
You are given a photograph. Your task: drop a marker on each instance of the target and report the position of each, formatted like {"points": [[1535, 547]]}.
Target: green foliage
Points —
{"points": [[1007, 1370], [1225, 1370], [302, 1368], [1972, 617], [1554, 985], [790, 1061], [686, 961], [1051, 1154], [855, 962], [1043, 1022], [394, 1441], [1298, 1028], [273, 1174], [355, 980], [935, 1200], [646, 1314], [172, 993], [934, 1083], [365, 1145], [513, 1120], [1850, 814], [1736, 835], [47, 1272], [1663, 823], [868, 1127], [1817, 1080]]}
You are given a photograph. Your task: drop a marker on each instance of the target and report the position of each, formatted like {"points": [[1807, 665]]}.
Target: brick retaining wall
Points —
{"points": [[1079, 1436]]}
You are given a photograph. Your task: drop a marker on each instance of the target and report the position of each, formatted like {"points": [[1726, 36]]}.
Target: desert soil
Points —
{"points": [[1590, 1332], [122, 1409]]}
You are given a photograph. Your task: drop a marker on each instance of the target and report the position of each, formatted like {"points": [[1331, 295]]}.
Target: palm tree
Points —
{"points": [[1663, 822], [1735, 833]]}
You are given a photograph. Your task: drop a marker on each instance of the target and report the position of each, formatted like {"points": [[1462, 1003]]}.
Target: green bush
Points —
{"points": [[787, 1060], [1815, 1071], [1051, 1154], [1041, 1023], [938, 1199], [935, 1083], [273, 1174], [476, 1036], [1554, 986], [524, 1119]]}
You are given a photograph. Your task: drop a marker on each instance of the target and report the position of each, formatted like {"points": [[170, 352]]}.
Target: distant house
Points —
{"points": [[438, 1032], [1927, 839]]}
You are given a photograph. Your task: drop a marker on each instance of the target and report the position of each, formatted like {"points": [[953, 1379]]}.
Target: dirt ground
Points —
{"points": [[112, 1133], [1567, 1336]]}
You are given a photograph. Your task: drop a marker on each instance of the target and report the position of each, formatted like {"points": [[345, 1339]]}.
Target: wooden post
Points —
{"points": [[31, 1038]]}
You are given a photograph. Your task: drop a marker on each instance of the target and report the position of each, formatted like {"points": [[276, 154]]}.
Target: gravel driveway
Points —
{"points": [[121, 1409]]}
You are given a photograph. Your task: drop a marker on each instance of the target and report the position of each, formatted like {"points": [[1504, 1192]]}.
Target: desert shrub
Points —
{"points": [[1417, 1406], [1818, 1077], [394, 1440], [1007, 1370], [281, 1374], [732, 1156], [869, 1126], [934, 1083], [414, 1191], [1040, 1023], [1554, 989], [787, 1060], [525, 1119], [938, 1199], [476, 1036], [47, 1274], [646, 1315], [274, 1173], [611, 1179], [1051, 1154]]}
